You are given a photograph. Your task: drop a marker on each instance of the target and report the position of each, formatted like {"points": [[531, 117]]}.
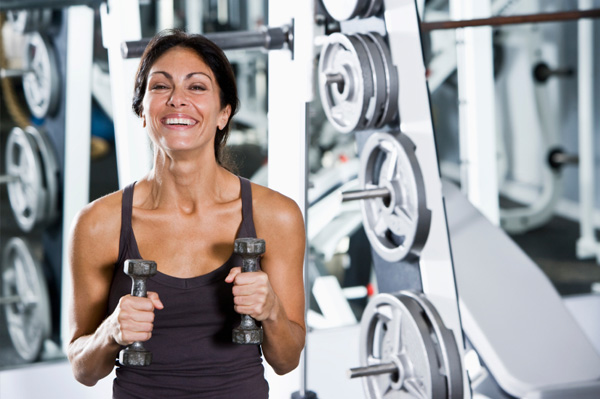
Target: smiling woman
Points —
{"points": [[185, 215]]}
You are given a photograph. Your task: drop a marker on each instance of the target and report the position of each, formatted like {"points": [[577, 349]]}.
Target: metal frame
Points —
{"points": [[78, 106]]}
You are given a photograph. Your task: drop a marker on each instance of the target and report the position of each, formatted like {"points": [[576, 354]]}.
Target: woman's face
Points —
{"points": [[181, 107]]}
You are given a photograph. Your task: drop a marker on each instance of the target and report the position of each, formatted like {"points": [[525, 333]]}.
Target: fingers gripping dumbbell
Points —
{"points": [[139, 271], [250, 249]]}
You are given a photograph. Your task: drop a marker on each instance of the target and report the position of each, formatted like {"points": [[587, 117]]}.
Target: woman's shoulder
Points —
{"points": [[272, 207], [101, 216]]}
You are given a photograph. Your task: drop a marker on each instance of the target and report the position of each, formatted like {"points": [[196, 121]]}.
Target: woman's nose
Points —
{"points": [[177, 98]]}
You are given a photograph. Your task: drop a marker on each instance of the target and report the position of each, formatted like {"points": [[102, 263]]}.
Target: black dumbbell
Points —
{"points": [[139, 270], [250, 250]]}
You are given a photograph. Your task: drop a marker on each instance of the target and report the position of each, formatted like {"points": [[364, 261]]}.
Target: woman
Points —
{"points": [[185, 215]]}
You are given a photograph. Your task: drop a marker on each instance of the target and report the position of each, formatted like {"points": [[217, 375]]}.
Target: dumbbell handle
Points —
{"points": [[138, 288], [365, 194], [249, 264]]}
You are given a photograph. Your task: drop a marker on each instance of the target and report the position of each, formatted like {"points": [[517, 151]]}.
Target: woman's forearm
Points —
{"points": [[93, 356], [283, 342]]}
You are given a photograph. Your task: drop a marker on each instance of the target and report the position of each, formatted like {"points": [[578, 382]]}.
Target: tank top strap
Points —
{"points": [[126, 230], [248, 229]]}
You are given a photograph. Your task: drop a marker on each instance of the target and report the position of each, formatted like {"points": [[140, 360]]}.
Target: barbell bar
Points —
{"points": [[267, 38], [512, 20], [373, 370], [6, 5], [380, 192]]}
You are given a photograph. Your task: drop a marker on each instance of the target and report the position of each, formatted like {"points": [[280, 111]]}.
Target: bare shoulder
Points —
{"points": [[97, 225], [274, 211]]}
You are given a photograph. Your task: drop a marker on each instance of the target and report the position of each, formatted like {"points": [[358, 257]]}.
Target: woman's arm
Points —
{"points": [[95, 338], [275, 296]]}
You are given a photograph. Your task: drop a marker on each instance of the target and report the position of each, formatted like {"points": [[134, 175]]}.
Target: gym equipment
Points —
{"points": [[358, 83], [41, 80], [36, 4], [512, 20], [139, 270], [28, 21], [406, 350], [527, 340], [395, 214], [31, 177], [559, 158], [344, 10], [267, 39], [250, 250], [25, 299]]}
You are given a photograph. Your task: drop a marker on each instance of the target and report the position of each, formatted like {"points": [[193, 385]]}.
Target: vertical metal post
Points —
{"points": [[194, 14], [121, 22], [476, 108], [78, 135], [287, 142], [587, 245], [165, 15]]}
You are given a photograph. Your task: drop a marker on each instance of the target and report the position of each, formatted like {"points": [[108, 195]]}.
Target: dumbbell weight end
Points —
{"points": [[135, 355], [247, 332]]}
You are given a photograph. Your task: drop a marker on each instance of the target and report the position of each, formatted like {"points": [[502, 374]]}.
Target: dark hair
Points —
{"points": [[214, 58]]}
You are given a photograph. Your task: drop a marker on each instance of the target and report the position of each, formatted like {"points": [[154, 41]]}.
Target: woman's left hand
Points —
{"points": [[253, 294]]}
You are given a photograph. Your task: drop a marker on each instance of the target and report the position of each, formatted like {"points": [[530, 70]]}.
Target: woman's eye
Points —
{"points": [[159, 86], [198, 87]]}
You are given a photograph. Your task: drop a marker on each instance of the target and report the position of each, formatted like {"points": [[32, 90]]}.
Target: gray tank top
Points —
{"points": [[192, 352]]}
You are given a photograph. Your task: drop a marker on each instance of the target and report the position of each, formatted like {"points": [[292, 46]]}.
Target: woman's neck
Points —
{"points": [[186, 182]]}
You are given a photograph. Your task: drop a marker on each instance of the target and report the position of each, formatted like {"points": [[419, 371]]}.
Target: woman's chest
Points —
{"points": [[187, 248]]}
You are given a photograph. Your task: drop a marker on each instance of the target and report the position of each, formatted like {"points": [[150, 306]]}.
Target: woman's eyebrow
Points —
{"points": [[188, 76]]}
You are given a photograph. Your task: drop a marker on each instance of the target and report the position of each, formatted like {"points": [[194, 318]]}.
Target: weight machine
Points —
{"points": [[46, 154], [400, 190]]}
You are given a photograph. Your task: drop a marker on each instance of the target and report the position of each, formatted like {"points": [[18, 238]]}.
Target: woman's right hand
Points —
{"points": [[133, 318]]}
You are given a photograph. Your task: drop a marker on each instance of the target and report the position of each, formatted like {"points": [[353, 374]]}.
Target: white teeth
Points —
{"points": [[179, 121]]}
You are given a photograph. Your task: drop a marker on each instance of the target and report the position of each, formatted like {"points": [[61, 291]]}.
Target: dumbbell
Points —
{"points": [[250, 250], [139, 270]]}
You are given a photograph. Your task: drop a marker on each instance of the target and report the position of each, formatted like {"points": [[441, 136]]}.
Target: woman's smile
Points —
{"points": [[178, 121]]}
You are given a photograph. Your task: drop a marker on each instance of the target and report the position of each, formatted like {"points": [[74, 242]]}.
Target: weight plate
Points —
{"points": [[395, 330], [376, 104], [373, 8], [345, 81], [29, 319], [450, 360], [41, 83], [23, 161], [343, 10], [50, 168], [27, 21], [397, 226], [390, 108]]}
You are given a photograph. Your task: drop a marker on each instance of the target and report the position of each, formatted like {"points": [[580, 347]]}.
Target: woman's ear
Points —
{"points": [[143, 121], [224, 117]]}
